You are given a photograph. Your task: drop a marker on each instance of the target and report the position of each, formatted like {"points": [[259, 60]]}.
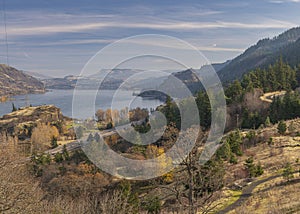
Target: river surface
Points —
{"points": [[63, 99]]}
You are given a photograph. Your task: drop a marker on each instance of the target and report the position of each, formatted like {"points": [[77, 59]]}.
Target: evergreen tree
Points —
{"points": [[253, 170], [288, 172], [235, 141], [250, 167], [14, 107], [54, 142], [279, 76], [234, 92], [58, 158], [268, 122], [281, 127], [65, 153], [224, 151], [204, 109]]}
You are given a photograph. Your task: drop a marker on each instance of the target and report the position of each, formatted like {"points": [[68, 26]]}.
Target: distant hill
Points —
{"points": [[264, 53], [67, 82], [14, 82], [190, 78], [37, 75], [111, 81]]}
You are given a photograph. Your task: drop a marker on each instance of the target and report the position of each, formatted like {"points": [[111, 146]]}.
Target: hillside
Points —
{"points": [[264, 53], [14, 82]]}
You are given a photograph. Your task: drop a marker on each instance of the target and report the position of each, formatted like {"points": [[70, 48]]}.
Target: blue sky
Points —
{"points": [[58, 37]]}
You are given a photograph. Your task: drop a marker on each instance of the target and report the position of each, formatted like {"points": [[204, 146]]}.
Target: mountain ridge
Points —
{"points": [[15, 82], [264, 53]]}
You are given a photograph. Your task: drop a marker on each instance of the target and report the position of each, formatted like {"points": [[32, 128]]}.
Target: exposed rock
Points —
{"points": [[20, 123]]}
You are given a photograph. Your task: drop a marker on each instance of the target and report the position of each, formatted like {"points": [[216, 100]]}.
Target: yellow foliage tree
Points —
{"points": [[159, 153], [42, 135]]}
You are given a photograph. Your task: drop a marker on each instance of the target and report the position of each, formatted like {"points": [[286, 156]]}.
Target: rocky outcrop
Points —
{"points": [[20, 123]]}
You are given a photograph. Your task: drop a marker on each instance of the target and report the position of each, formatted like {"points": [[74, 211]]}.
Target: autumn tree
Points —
{"points": [[100, 114], [108, 116], [138, 114], [42, 135], [152, 152]]}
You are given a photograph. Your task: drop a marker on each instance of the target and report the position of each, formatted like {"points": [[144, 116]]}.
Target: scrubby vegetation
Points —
{"points": [[261, 144]]}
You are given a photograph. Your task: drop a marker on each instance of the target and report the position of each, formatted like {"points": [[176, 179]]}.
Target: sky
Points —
{"points": [[58, 37]]}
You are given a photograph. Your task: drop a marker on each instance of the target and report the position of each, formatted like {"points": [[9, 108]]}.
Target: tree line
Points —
{"points": [[277, 77]]}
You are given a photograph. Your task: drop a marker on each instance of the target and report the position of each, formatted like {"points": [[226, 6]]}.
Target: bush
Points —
{"points": [[62, 170], [233, 159], [153, 205], [58, 158]]}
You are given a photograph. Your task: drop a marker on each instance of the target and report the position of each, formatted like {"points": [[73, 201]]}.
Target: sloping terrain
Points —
{"points": [[13, 82], [264, 53]]}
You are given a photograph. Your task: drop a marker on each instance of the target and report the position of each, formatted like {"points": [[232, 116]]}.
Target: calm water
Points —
{"points": [[64, 99]]}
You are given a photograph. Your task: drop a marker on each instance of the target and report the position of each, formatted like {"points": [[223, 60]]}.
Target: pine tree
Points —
{"points": [[65, 153], [53, 142], [250, 167], [204, 108], [281, 127], [268, 122], [14, 107], [288, 172]]}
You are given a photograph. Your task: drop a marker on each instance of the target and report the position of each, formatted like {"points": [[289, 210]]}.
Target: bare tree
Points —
{"points": [[195, 185]]}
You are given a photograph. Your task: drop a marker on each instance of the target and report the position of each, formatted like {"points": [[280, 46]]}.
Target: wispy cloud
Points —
{"points": [[178, 46], [158, 25], [284, 1], [213, 47], [77, 42], [62, 37]]}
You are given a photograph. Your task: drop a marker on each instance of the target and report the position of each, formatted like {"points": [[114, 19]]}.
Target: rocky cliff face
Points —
{"points": [[20, 123], [13, 82]]}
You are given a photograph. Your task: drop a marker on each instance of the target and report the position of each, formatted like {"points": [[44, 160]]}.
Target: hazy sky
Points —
{"points": [[57, 37]]}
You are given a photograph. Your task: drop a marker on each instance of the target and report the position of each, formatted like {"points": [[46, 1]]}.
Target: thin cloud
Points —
{"points": [[78, 42], [284, 1], [213, 47], [178, 46], [172, 26]]}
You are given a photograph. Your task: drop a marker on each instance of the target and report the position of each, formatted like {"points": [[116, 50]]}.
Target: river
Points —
{"points": [[63, 99]]}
